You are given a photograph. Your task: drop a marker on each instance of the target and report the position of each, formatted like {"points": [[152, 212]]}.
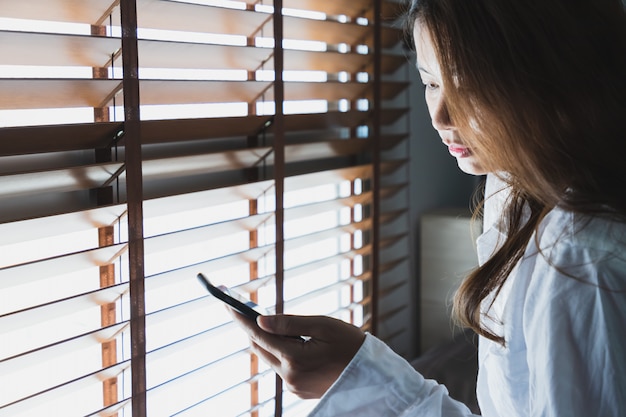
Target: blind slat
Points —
{"points": [[69, 179], [334, 91], [318, 150], [155, 208], [323, 177], [302, 212], [171, 54], [45, 227], [295, 272], [327, 289], [200, 244], [112, 410], [197, 164], [48, 353], [178, 16], [312, 238], [336, 33], [71, 11], [389, 241], [350, 8], [163, 131], [200, 91], [391, 215], [41, 139], [210, 91], [25, 93], [201, 234], [40, 314], [174, 277], [352, 118], [391, 190], [334, 62], [51, 268], [64, 397], [46, 49]]}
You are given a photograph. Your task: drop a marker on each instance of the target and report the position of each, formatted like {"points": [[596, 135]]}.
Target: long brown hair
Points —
{"points": [[539, 94]]}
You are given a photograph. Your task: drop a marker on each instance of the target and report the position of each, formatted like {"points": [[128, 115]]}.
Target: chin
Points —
{"points": [[471, 166]]}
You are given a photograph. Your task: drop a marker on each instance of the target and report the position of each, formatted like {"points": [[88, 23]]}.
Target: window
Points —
{"points": [[142, 142]]}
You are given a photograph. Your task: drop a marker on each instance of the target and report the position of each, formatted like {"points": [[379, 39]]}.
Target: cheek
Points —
{"points": [[431, 103]]}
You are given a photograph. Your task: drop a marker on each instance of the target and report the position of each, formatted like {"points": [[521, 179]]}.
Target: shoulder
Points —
{"points": [[572, 310], [589, 248], [573, 277], [565, 227]]}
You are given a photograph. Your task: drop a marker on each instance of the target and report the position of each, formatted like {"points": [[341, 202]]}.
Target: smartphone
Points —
{"points": [[245, 307]]}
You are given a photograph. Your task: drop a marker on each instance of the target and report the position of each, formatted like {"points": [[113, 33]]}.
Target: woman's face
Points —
{"points": [[435, 93]]}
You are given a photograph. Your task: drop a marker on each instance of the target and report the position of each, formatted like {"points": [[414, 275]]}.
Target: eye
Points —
{"points": [[431, 86]]}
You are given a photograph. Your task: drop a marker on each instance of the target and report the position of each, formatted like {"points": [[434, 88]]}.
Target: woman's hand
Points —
{"points": [[309, 367]]}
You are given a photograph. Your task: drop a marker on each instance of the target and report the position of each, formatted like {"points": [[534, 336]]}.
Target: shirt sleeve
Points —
{"points": [[575, 316], [380, 383]]}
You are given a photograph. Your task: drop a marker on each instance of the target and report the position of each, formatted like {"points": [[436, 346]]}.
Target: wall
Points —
{"points": [[436, 180]]}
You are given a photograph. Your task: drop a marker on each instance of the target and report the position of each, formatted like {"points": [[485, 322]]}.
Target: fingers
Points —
{"points": [[270, 359], [272, 344], [253, 332], [308, 368]]}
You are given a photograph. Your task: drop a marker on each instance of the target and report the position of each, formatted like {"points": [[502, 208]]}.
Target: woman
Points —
{"points": [[533, 93]]}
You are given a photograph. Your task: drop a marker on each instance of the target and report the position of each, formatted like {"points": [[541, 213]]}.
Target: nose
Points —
{"points": [[439, 115]]}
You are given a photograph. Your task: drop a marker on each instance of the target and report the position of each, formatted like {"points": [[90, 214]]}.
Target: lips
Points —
{"points": [[459, 151]]}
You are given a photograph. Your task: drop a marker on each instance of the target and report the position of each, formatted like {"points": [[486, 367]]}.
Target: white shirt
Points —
{"points": [[565, 351]]}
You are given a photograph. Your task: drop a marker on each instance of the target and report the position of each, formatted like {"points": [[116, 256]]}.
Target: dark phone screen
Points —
{"points": [[244, 308]]}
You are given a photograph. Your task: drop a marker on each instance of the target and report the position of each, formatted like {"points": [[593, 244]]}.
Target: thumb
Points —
{"points": [[288, 325]]}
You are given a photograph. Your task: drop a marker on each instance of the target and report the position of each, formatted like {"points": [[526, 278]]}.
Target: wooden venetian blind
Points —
{"points": [[144, 141]]}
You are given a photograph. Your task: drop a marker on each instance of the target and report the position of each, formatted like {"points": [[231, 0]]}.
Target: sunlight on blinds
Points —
{"points": [[231, 188]]}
